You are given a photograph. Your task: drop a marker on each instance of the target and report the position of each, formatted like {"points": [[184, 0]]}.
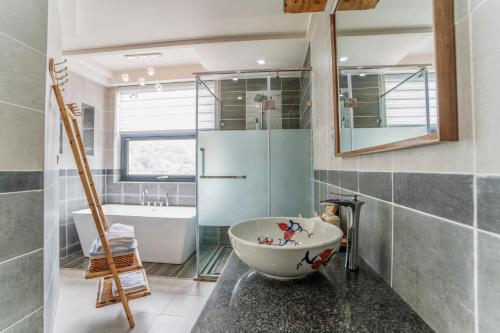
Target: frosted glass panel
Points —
{"points": [[291, 186], [223, 202]]}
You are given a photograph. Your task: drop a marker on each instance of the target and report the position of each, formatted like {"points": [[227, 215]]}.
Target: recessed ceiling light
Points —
{"points": [[362, 74], [240, 98], [151, 71], [235, 79], [343, 59], [261, 62], [142, 81], [125, 77]]}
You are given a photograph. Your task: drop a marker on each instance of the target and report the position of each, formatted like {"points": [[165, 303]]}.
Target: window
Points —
{"points": [[157, 130], [406, 104], [159, 157]]}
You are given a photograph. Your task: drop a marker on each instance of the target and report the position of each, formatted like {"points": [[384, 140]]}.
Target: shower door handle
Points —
{"points": [[202, 173]]}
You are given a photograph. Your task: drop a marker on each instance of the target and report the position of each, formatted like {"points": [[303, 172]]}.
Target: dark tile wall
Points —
{"points": [[72, 198], [235, 103], [24, 253], [128, 193], [402, 212], [367, 91], [21, 246]]}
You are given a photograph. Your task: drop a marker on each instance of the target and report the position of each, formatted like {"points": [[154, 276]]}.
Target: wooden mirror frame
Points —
{"points": [[445, 64]]}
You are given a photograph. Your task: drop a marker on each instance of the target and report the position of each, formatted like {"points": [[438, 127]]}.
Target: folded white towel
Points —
{"points": [[131, 282], [119, 235]]}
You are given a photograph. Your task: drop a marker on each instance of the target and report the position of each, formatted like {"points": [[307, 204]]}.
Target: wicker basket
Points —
{"points": [[101, 264]]}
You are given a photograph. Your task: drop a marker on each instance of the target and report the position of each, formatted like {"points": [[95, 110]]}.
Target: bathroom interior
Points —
{"points": [[249, 166]]}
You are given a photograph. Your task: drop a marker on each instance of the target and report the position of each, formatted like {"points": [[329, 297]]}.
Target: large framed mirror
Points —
{"points": [[394, 75]]}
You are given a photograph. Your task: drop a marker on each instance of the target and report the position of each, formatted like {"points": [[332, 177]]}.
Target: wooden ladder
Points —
{"points": [[70, 111]]}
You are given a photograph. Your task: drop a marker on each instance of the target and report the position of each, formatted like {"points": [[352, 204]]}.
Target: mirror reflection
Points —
{"points": [[386, 77]]}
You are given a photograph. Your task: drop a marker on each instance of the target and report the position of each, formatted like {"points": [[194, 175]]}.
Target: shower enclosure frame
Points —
{"points": [[200, 82]]}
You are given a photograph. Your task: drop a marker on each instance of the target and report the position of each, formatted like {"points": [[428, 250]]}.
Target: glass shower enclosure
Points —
{"points": [[254, 154]]}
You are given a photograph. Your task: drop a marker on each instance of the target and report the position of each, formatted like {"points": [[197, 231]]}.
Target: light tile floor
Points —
{"points": [[172, 307]]}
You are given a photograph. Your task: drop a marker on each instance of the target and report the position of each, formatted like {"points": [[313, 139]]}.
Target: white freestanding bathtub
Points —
{"points": [[164, 234]]}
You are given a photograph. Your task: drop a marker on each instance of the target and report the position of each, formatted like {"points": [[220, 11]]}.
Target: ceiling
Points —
{"points": [[98, 23], [394, 33], [212, 35], [389, 14]]}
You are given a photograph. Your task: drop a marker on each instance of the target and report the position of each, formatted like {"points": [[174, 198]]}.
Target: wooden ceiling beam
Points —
{"points": [[346, 5], [304, 6]]}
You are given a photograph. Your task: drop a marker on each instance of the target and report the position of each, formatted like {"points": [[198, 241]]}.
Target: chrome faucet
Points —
{"points": [[352, 202], [167, 203]]}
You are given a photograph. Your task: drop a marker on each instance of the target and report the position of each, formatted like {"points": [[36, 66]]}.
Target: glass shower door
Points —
{"points": [[232, 179], [254, 156]]}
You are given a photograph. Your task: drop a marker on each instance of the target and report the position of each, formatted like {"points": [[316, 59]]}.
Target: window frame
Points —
{"points": [[125, 138]]}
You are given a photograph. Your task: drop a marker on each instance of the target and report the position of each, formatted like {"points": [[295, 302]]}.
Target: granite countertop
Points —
{"points": [[331, 300]]}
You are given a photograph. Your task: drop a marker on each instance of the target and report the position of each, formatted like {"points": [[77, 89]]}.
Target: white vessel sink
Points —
{"points": [[285, 248]]}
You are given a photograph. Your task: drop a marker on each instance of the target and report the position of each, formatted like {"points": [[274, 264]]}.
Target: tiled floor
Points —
{"points": [[213, 259], [173, 306]]}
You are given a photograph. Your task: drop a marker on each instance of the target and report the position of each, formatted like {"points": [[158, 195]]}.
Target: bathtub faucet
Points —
{"points": [[143, 197]]}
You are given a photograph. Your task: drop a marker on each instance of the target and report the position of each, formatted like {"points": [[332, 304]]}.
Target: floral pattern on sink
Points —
{"points": [[289, 229], [321, 259]]}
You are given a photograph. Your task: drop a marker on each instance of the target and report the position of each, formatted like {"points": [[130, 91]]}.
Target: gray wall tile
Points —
{"points": [[349, 180], [71, 234], [15, 181], [62, 237], [21, 72], [31, 324], [323, 175], [187, 190], [170, 188], [333, 177], [131, 188], [376, 184], [488, 203], [186, 201], [316, 197], [23, 126], [446, 195], [113, 187], [152, 189], [488, 286], [21, 287], [290, 83], [62, 188], [114, 199], [21, 223], [433, 270], [375, 236], [233, 124], [131, 199], [26, 21]]}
